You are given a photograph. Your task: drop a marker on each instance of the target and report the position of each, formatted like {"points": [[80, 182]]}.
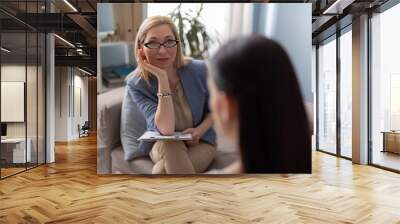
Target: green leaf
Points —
{"points": [[192, 32]]}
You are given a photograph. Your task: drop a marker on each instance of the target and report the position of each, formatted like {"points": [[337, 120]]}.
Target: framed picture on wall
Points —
{"points": [[12, 101]]}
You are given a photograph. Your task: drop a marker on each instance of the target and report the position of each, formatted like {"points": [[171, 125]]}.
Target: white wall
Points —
{"points": [[61, 103], [85, 98], [67, 115], [80, 84], [33, 126], [14, 73], [17, 73]]}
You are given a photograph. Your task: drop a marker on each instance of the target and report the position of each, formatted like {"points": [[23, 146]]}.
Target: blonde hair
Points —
{"points": [[149, 23]]}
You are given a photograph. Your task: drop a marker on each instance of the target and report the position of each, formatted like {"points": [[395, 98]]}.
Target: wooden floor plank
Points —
{"points": [[70, 191]]}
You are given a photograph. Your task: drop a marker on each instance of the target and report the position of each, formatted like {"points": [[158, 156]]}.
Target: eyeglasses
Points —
{"points": [[157, 45]]}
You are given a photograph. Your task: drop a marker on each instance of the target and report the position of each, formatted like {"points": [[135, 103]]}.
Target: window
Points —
{"points": [[346, 93], [327, 96], [385, 88], [213, 15], [22, 68]]}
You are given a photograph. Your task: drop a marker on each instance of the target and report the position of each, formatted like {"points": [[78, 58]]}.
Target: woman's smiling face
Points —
{"points": [[162, 57]]}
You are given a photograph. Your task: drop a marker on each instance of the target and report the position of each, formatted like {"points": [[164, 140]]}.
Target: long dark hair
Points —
{"points": [[274, 134]]}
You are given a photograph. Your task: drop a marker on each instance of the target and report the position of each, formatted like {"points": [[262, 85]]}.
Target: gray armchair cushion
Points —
{"points": [[108, 120], [133, 125], [142, 165]]}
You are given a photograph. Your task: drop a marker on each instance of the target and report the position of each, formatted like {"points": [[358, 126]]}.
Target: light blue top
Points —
{"points": [[193, 78]]}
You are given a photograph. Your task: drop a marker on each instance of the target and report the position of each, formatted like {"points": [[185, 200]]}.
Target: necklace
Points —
{"points": [[175, 87]]}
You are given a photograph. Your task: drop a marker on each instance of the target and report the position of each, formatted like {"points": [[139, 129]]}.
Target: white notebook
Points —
{"points": [[153, 136]]}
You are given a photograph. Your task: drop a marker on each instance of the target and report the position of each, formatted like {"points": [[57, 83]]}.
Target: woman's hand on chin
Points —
{"points": [[144, 63]]}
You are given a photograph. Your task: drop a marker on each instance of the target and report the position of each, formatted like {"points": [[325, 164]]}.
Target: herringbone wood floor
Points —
{"points": [[69, 191]]}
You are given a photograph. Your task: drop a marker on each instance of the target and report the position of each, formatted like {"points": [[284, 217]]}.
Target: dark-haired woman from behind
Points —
{"points": [[255, 99]]}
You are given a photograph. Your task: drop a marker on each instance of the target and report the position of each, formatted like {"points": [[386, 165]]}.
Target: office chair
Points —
{"points": [[84, 130]]}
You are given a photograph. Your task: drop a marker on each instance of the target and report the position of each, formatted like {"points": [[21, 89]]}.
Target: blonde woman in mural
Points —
{"points": [[171, 92]]}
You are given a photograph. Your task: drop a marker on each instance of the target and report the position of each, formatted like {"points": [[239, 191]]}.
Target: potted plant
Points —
{"points": [[192, 32]]}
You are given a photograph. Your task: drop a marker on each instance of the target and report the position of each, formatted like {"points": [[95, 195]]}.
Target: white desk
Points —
{"points": [[18, 149]]}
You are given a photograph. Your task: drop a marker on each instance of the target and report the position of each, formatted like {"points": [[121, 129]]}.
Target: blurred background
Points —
{"points": [[213, 23]]}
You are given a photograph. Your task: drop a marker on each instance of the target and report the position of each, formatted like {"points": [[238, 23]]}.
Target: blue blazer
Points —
{"points": [[194, 83]]}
